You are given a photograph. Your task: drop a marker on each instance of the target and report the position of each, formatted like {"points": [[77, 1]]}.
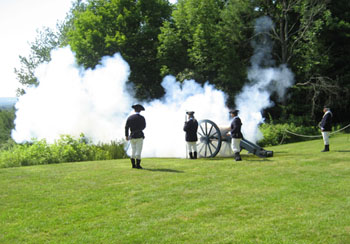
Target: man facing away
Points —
{"points": [[236, 134], [191, 127], [136, 123], [326, 127]]}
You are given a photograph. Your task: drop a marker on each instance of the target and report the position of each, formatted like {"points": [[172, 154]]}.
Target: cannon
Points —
{"points": [[213, 141]]}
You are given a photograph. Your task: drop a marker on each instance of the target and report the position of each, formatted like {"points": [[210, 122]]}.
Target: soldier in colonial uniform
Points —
{"points": [[326, 127], [136, 123], [236, 134], [191, 127]]}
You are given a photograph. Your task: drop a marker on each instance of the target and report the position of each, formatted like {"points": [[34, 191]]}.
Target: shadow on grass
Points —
{"points": [[256, 160], [251, 158], [342, 151], [164, 170], [214, 158], [280, 152]]}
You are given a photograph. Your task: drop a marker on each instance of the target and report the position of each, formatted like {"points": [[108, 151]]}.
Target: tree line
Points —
{"points": [[210, 40]]}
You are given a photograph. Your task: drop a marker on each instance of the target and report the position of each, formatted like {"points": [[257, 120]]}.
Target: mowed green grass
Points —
{"points": [[298, 196]]}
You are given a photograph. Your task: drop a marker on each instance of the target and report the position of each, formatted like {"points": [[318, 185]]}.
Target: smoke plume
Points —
{"points": [[96, 102], [265, 79], [71, 100]]}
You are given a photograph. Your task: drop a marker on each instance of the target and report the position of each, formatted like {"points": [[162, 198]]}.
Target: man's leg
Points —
{"points": [[325, 136], [195, 150], [139, 145], [133, 152], [236, 148]]}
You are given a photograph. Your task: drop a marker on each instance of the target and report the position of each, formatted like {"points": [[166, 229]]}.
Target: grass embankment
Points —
{"points": [[298, 196]]}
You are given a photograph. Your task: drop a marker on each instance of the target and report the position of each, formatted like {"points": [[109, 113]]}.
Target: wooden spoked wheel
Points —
{"points": [[209, 139]]}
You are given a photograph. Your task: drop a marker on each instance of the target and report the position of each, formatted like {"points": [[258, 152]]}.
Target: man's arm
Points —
{"points": [[127, 130]]}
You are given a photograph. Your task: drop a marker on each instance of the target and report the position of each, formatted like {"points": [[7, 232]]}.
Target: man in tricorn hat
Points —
{"points": [[136, 123], [191, 127], [236, 134], [326, 127]]}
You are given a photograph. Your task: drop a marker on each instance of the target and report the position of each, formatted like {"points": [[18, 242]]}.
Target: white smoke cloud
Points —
{"points": [[166, 117], [71, 100], [264, 81]]}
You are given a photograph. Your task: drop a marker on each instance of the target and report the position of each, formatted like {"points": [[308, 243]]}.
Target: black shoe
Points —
{"points": [[326, 148], [133, 164], [138, 164], [195, 155], [238, 157], [191, 155]]}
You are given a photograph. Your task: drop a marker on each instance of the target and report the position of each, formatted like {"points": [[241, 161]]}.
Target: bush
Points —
{"points": [[66, 149], [275, 134], [115, 149], [7, 117]]}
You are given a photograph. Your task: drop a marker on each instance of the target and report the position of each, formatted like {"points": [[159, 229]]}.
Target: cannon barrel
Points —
{"points": [[211, 137]]}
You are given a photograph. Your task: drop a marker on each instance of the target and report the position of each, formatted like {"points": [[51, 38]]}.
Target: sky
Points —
{"points": [[19, 21]]}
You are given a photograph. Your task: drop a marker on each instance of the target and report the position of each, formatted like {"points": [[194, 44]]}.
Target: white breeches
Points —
{"points": [[192, 146], [236, 145], [136, 147], [325, 135]]}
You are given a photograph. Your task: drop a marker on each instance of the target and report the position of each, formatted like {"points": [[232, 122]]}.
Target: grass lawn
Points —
{"points": [[298, 196]]}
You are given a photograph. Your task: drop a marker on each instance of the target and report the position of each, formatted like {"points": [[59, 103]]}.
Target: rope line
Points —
{"points": [[340, 129], [301, 135], [315, 136]]}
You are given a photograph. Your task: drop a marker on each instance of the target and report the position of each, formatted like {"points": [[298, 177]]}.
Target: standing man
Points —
{"points": [[326, 127], [191, 127], [136, 123], [236, 134]]}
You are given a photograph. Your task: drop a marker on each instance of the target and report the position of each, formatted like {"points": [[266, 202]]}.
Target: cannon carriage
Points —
{"points": [[213, 141]]}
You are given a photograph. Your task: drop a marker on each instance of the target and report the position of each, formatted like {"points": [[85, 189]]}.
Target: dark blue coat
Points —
{"points": [[136, 123], [236, 125], [191, 128], [326, 122]]}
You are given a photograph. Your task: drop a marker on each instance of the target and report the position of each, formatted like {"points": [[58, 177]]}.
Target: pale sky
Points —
{"points": [[19, 20]]}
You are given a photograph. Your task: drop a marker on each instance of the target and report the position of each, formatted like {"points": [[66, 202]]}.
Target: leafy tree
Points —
{"points": [[126, 26], [40, 49], [203, 41], [299, 25], [209, 40], [323, 61], [46, 40], [336, 37]]}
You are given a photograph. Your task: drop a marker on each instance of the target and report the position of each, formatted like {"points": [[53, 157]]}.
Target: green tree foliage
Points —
{"points": [[298, 24], [209, 40], [46, 40], [297, 35], [126, 26], [7, 117], [40, 49], [336, 37], [322, 62], [204, 41]]}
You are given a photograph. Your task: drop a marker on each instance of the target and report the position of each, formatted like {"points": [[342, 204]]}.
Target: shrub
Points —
{"points": [[115, 149], [275, 134], [65, 149]]}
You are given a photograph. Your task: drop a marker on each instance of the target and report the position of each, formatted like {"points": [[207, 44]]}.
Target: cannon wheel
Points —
{"points": [[209, 136]]}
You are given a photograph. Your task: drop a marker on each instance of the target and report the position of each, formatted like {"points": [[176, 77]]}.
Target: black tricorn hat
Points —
{"points": [[138, 107], [234, 111], [190, 112]]}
